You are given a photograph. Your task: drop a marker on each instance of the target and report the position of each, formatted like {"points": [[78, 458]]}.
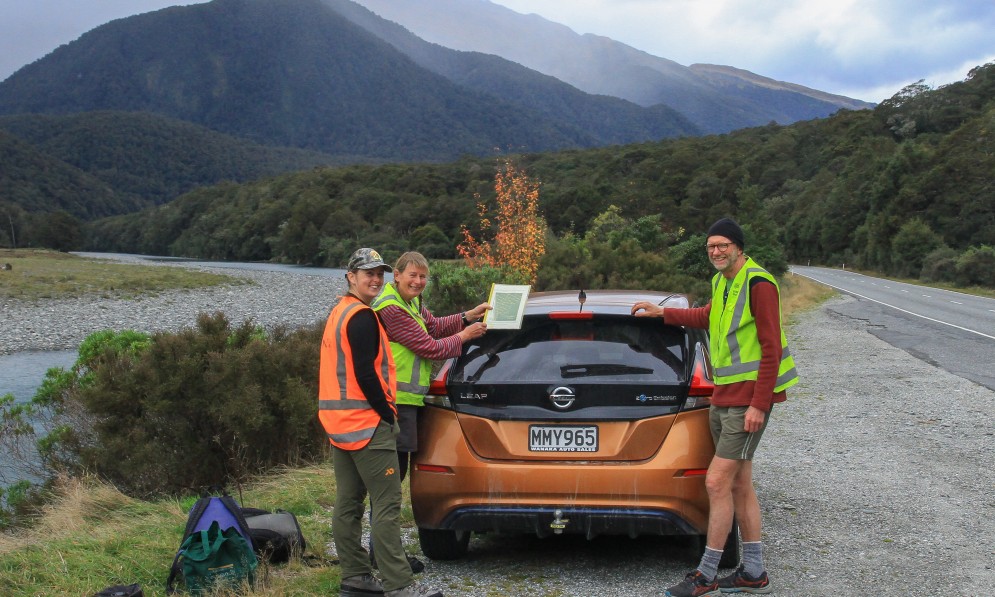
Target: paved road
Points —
{"points": [[951, 330]]}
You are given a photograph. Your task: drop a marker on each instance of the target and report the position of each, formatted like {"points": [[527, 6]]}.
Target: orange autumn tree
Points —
{"points": [[519, 230]]}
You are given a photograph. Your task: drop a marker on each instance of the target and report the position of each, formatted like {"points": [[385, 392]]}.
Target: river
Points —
{"points": [[21, 373]]}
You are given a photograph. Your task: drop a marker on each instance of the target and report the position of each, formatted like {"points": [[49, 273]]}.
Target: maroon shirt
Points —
{"points": [[765, 306], [440, 341]]}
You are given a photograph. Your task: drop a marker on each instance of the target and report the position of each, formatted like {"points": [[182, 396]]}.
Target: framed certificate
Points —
{"points": [[508, 306]]}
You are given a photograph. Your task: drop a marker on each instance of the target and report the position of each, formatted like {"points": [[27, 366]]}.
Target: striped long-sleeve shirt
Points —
{"points": [[439, 342]]}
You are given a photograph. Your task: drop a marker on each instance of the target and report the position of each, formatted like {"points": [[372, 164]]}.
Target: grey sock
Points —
{"points": [[753, 558], [709, 565]]}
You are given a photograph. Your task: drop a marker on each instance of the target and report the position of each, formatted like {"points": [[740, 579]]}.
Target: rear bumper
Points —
{"points": [[545, 521], [453, 488]]}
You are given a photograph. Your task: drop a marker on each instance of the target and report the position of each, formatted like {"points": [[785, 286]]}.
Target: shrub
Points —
{"points": [[910, 246], [690, 258], [204, 406], [456, 288], [976, 266], [940, 265]]}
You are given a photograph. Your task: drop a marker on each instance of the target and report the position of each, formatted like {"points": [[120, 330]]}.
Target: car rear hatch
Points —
{"points": [[592, 387]]}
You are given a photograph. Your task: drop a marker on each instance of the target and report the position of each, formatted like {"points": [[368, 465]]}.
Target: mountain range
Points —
{"points": [[715, 98], [341, 84]]}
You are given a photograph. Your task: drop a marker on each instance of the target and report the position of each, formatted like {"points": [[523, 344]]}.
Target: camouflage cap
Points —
{"points": [[367, 258]]}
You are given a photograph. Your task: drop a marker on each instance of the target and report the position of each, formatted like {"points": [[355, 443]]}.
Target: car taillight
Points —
{"points": [[692, 472], [571, 315], [432, 468], [438, 393], [700, 392]]}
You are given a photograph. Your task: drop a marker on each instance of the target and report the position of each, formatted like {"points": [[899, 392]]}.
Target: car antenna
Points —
{"points": [[582, 298]]}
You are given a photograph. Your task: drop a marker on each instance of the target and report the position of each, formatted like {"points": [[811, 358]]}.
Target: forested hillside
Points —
{"points": [[135, 159], [906, 188]]}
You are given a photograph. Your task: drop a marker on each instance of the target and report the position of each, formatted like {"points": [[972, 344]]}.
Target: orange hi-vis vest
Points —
{"points": [[343, 410]]}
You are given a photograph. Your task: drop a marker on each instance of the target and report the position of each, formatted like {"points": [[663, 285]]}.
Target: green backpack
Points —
{"points": [[216, 551]]}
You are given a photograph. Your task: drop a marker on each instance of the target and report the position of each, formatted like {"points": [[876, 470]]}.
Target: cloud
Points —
{"points": [[863, 46], [867, 49], [31, 29]]}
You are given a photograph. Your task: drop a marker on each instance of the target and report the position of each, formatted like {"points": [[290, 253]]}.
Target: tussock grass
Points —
{"points": [[37, 274], [92, 536], [799, 294]]}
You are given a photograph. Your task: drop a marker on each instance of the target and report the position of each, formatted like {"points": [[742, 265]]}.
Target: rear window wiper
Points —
{"points": [[590, 370]]}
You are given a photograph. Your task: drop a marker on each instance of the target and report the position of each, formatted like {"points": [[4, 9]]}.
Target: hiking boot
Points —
{"points": [[360, 586], [414, 590], [741, 582], [694, 585], [416, 564]]}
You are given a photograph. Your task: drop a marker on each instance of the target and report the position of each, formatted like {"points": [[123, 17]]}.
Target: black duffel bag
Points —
{"points": [[275, 535]]}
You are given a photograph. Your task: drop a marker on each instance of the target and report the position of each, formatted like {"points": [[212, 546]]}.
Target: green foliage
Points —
{"points": [[17, 501], [689, 257], [455, 287], [127, 342], [62, 170], [940, 265], [203, 406], [976, 266], [584, 264], [910, 246], [431, 242]]}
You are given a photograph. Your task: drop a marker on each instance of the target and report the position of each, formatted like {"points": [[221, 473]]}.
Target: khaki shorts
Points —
{"points": [[731, 440]]}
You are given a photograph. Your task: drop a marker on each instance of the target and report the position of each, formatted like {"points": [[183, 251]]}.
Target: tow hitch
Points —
{"points": [[559, 523]]}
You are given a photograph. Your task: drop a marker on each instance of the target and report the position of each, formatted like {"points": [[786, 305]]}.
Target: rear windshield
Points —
{"points": [[606, 349]]}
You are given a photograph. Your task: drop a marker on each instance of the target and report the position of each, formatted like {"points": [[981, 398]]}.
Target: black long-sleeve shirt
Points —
{"points": [[363, 332]]}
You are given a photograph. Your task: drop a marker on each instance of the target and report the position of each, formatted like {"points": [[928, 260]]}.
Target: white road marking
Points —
{"points": [[901, 309]]}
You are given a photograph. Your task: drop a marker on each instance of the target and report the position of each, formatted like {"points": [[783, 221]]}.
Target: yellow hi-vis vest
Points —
{"points": [[733, 331], [413, 372]]}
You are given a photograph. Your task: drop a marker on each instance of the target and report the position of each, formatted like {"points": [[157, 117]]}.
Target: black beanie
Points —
{"points": [[728, 228]]}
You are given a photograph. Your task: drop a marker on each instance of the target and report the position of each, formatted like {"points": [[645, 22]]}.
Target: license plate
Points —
{"points": [[563, 438]]}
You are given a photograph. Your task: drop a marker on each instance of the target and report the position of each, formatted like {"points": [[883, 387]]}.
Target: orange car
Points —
{"points": [[586, 420]]}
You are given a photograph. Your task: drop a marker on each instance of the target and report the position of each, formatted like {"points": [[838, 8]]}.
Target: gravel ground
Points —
{"points": [[877, 476], [268, 298]]}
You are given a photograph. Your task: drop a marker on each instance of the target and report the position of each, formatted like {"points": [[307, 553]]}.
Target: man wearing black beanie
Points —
{"points": [[728, 228], [752, 369]]}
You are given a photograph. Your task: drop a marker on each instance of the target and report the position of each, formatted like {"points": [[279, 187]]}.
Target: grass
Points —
{"points": [[93, 536], [38, 274], [799, 294]]}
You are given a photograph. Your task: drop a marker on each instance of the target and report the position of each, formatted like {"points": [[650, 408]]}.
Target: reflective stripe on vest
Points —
{"points": [[348, 419], [734, 362], [413, 372]]}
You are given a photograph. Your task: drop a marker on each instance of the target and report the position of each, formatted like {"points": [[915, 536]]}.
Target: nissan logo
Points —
{"points": [[562, 397]]}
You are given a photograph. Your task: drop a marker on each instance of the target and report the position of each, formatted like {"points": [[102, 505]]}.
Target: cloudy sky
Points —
{"points": [[866, 49]]}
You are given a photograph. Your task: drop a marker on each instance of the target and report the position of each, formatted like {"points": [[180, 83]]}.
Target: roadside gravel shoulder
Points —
{"points": [[875, 477], [877, 474]]}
